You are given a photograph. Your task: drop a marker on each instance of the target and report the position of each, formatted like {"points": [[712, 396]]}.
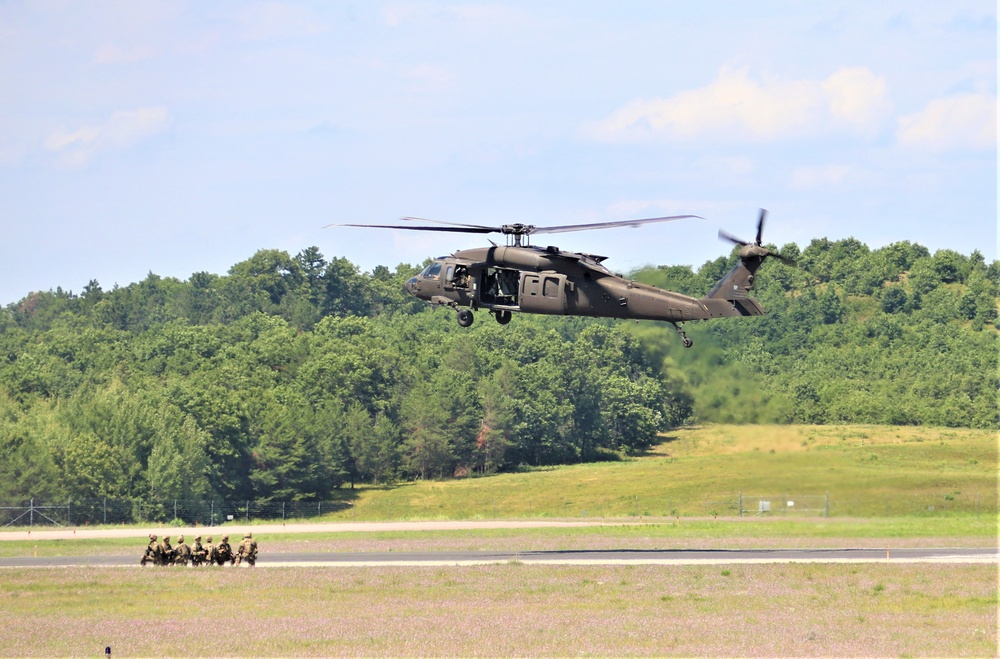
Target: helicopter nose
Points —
{"points": [[411, 286]]}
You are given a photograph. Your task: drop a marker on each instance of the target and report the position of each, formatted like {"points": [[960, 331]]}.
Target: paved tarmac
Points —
{"points": [[458, 558], [561, 557]]}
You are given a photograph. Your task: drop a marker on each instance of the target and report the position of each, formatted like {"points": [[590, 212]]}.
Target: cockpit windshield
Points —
{"points": [[432, 271]]}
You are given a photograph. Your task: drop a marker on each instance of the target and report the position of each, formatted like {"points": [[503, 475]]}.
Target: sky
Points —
{"points": [[180, 137]]}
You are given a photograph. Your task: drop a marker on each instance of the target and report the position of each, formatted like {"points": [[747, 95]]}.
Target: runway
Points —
{"points": [[943, 555]]}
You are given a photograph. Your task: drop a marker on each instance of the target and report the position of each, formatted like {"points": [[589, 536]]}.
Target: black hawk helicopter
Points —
{"points": [[547, 280]]}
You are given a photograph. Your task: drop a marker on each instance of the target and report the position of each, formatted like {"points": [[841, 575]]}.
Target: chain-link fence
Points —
{"points": [[784, 504], [120, 511], [390, 507]]}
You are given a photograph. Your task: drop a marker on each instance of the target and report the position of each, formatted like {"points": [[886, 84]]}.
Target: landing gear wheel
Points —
{"points": [[503, 317], [687, 342], [465, 318]]}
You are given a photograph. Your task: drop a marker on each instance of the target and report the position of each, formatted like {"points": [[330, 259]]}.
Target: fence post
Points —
{"points": [[248, 512]]}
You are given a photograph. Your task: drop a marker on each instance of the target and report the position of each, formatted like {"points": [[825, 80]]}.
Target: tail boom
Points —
{"points": [[731, 296]]}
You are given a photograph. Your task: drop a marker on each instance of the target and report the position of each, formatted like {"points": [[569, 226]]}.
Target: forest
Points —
{"points": [[292, 376]]}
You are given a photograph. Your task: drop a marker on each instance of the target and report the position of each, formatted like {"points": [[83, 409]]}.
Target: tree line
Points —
{"points": [[289, 377], [895, 336]]}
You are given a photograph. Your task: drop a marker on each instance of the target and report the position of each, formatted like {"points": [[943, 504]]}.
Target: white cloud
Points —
{"points": [[276, 20], [429, 77], [121, 131], [736, 107], [112, 54], [729, 165], [818, 177], [857, 98], [963, 121], [488, 15]]}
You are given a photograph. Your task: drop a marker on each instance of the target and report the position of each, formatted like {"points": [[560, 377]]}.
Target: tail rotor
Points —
{"points": [[755, 249]]}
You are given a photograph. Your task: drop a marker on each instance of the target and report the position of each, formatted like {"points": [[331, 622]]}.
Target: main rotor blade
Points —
{"points": [[517, 229], [452, 224], [456, 229], [610, 225]]}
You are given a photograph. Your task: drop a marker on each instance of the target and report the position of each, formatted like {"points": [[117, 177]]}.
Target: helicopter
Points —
{"points": [[521, 277]]}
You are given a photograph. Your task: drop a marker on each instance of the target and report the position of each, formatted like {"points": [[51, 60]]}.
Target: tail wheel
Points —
{"points": [[503, 317], [465, 318]]}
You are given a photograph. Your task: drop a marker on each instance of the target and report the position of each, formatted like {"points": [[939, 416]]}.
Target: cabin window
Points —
{"points": [[550, 287]]}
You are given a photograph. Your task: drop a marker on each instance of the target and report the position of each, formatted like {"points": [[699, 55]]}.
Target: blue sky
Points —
{"points": [[177, 137]]}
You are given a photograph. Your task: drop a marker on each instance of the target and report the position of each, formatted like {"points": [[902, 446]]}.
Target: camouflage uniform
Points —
{"points": [[166, 551], [182, 553], [210, 551], [152, 554], [247, 550], [198, 553], [224, 552]]}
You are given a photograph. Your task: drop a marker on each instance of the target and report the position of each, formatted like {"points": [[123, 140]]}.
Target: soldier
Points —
{"points": [[198, 553], [166, 551], [152, 554], [224, 552], [247, 550], [210, 551], [182, 553]]}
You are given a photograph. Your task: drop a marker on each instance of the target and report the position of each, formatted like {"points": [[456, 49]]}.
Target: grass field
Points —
{"points": [[888, 487], [504, 610], [859, 471]]}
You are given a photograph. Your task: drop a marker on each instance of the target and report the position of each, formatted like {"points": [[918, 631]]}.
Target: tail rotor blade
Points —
{"points": [[760, 226], [786, 260], [731, 238]]}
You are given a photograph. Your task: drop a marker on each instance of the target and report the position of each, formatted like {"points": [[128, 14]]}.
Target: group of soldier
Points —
{"points": [[161, 552]]}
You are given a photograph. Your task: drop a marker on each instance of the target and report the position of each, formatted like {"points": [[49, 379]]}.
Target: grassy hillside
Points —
{"points": [[868, 471]]}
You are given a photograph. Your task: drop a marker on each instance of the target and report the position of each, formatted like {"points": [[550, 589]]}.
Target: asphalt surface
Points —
{"points": [[562, 557]]}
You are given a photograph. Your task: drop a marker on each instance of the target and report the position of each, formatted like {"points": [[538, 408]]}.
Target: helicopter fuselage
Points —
{"points": [[547, 280], [551, 281]]}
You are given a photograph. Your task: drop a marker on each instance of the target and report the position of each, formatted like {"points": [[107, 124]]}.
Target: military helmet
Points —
{"points": [[209, 539], [225, 538], [152, 536], [180, 538], [197, 537], [247, 535], [166, 538]]}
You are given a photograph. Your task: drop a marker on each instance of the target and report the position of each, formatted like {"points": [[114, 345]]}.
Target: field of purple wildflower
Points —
{"points": [[504, 610]]}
